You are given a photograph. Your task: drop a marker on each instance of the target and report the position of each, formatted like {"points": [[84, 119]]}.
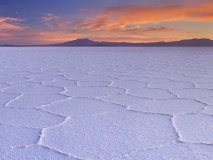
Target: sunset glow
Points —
{"points": [[47, 22]]}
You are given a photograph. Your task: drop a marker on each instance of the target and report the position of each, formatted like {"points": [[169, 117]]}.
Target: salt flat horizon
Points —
{"points": [[112, 103]]}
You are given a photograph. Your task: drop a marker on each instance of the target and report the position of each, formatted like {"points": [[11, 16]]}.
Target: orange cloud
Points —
{"points": [[153, 14], [55, 36], [118, 18], [131, 21], [9, 24], [10, 29]]}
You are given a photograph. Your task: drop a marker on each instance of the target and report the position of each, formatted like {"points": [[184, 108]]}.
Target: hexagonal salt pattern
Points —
{"points": [[106, 103]]}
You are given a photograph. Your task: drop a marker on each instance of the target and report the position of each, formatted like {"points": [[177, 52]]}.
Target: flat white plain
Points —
{"points": [[94, 103]]}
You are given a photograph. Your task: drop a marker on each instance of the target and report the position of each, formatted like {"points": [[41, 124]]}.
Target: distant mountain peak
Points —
{"points": [[197, 39], [86, 39], [81, 41]]}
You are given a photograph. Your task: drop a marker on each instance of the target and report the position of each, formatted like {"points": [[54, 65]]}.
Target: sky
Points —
{"points": [[56, 21]]}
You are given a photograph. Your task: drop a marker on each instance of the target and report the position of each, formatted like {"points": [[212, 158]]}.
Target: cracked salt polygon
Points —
{"points": [[27, 117], [6, 97], [195, 128], [24, 83], [183, 78], [43, 78], [92, 92], [176, 151], [126, 100], [159, 75], [4, 79], [33, 89], [170, 85], [141, 78], [128, 84], [206, 100], [94, 83], [91, 78], [81, 106], [61, 83], [156, 80], [32, 153], [27, 73], [193, 93], [109, 135], [151, 93], [205, 85], [208, 110], [33, 101], [194, 73], [12, 136], [48, 71], [169, 106]]}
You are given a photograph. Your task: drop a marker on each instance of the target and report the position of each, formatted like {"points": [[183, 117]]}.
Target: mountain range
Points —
{"points": [[181, 43], [85, 42]]}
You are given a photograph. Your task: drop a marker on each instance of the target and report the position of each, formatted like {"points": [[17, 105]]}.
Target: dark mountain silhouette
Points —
{"points": [[85, 42], [181, 43], [7, 45], [88, 42], [186, 43]]}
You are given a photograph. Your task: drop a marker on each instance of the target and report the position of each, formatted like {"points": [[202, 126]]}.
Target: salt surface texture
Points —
{"points": [[106, 103]]}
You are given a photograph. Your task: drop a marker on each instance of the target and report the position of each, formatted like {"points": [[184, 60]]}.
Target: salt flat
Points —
{"points": [[106, 103]]}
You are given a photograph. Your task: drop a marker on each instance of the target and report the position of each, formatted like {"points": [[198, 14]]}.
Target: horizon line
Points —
{"points": [[91, 39]]}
